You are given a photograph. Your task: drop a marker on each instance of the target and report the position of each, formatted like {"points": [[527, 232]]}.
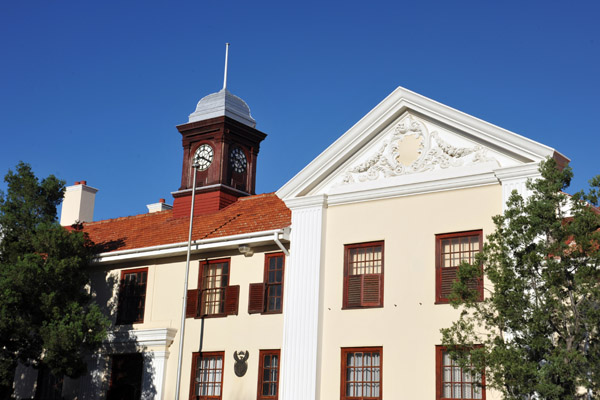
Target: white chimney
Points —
{"points": [[78, 204], [160, 206]]}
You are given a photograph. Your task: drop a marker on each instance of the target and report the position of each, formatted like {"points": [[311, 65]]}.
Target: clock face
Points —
{"points": [[238, 160], [203, 157]]}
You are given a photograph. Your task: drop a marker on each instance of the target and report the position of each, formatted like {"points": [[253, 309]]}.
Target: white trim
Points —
{"points": [[462, 182], [143, 337], [81, 188], [520, 171], [175, 249], [307, 202], [392, 107]]}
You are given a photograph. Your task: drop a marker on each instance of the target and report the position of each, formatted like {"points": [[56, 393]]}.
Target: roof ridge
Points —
{"points": [[147, 214]]}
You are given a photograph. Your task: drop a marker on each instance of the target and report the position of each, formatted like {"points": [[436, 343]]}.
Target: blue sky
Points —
{"points": [[94, 90]]}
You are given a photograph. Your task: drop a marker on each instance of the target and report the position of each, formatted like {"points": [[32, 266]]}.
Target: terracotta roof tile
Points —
{"points": [[249, 214]]}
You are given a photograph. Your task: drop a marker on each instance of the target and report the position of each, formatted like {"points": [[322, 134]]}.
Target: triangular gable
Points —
{"points": [[409, 140]]}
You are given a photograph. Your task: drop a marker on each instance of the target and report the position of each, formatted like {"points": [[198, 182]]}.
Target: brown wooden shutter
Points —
{"points": [[354, 290], [232, 297], [448, 276], [256, 298], [191, 309], [371, 290]]}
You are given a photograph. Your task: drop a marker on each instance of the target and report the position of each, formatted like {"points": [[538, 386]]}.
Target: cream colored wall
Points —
{"points": [[229, 334], [408, 325]]}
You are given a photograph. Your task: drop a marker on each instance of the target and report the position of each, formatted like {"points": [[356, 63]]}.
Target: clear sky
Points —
{"points": [[93, 90]]}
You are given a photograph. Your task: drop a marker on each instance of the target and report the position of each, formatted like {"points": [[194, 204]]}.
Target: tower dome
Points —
{"points": [[223, 103]]}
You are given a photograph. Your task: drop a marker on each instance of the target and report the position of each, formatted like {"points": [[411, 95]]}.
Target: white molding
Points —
{"points": [[463, 182], [143, 337], [301, 318], [307, 202], [392, 107], [520, 171], [178, 249]]}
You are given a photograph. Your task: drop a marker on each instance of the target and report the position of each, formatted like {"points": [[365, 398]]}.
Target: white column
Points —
{"points": [[299, 353], [155, 371]]}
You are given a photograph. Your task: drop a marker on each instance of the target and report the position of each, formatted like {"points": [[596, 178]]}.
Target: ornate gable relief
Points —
{"points": [[409, 148]]}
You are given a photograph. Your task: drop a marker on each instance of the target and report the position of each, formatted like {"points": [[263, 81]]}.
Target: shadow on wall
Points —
{"points": [[123, 369], [120, 370]]}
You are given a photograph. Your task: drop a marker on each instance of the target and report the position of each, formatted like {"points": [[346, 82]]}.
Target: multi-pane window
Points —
{"points": [[361, 373], [132, 296], [268, 375], [363, 275], [267, 296], [214, 280], [455, 383], [214, 296], [452, 250], [207, 376], [274, 282]]}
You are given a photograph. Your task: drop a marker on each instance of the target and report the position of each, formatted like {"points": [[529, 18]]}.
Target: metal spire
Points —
{"points": [[226, 57]]}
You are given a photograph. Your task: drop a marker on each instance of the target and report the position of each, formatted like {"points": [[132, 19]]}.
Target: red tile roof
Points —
{"points": [[249, 214]]}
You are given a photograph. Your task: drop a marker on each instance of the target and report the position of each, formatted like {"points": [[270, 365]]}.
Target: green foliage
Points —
{"points": [[539, 326], [46, 314]]}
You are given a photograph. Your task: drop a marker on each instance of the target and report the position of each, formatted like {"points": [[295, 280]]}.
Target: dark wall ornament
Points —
{"points": [[241, 365]]}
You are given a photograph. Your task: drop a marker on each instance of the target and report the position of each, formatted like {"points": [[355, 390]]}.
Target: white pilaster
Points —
{"points": [[515, 178], [301, 303], [155, 372]]}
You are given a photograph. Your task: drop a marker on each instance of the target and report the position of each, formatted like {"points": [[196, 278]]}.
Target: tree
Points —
{"points": [[46, 314], [536, 334]]}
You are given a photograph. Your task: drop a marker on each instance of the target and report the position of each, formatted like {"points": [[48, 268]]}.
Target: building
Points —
{"points": [[334, 287]]}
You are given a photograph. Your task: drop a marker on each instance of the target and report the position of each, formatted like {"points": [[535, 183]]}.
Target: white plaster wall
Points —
{"points": [[408, 325]]}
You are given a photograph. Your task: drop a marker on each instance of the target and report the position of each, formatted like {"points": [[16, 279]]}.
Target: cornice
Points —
{"points": [[464, 182], [520, 171], [143, 337], [307, 202]]}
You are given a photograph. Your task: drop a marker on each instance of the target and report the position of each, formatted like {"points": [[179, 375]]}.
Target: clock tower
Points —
{"points": [[221, 137]]}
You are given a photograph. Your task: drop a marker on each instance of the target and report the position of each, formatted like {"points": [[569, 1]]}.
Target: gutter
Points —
{"points": [[173, 249]]}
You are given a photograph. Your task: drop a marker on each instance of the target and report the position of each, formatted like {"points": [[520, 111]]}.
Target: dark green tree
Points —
{"points": [[539, 323], [46, 313]]}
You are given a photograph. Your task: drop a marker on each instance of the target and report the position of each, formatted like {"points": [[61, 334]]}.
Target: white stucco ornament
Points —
{"points": [[410, 148]]}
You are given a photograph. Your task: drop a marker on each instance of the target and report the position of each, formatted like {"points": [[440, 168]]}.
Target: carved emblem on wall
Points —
{"points": [[411, 148], [241, 365]]}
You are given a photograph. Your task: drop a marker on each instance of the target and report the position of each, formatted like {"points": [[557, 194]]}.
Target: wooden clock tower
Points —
{"points": [[221, 137]]}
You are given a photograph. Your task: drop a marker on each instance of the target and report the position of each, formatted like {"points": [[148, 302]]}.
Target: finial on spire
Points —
{"points": [[226, 56]]}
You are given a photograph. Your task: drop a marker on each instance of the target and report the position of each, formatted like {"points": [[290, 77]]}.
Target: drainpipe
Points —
{"points": [[281, 246]]}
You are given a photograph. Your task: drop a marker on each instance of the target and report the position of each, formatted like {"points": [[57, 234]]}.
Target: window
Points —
{"points": [[268, 375], [214, 296], [363, 275], [207, 376], [451, 250], [454, 383], [132, 296], [267, 296], [361, 373]]}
